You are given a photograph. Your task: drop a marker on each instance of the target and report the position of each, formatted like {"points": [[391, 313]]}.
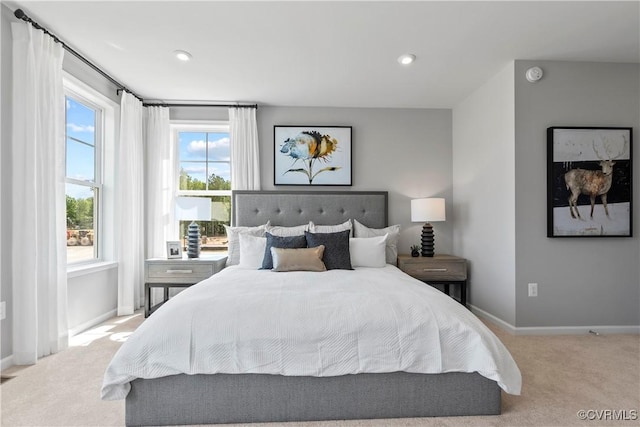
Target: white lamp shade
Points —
{"points": [[427, 210], [193, 208]]}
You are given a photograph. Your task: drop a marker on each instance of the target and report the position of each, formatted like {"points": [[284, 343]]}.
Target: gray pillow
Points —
{"points": [[336, 248], [287, 242]]}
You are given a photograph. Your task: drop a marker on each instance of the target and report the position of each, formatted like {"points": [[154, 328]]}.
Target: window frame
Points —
{"points": [[202, 126], [207, 126], [105, 131]]}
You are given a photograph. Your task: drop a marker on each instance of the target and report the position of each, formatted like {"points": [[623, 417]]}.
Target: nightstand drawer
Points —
{"points": [[440, 267], [443, 270], [180, 271], [436, 271]]}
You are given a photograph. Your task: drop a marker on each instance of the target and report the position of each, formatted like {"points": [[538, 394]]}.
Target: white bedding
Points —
{"points": [[310, 324]]}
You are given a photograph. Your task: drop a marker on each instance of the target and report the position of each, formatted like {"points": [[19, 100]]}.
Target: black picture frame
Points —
{"points": [[312, 155], [582, 161]]}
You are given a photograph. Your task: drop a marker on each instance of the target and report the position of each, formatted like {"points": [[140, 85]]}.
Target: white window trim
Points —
{"points": [[105, 176], [178, 126]]}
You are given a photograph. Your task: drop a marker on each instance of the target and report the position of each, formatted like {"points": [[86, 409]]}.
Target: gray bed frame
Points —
{"points": [[243, 398]]}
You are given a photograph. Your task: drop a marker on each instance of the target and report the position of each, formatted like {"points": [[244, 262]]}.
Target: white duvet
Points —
{"points": [[310, 324]]}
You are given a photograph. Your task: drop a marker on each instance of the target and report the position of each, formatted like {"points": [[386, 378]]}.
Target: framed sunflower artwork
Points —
{"points": [[312, 155]]}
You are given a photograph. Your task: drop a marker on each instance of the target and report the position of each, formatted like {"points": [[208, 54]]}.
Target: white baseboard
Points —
{"points": [[554, 330], [577, 330], [493, 319], [6, 363], [91, 323]]}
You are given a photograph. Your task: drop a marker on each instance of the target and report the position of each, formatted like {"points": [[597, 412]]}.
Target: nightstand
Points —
{"points": [[439, 269], [176, 273]]}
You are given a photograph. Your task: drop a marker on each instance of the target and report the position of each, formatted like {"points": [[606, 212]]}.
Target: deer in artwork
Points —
{"points": [[592, 182]]}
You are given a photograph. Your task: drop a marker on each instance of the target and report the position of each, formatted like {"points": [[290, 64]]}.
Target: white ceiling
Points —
{"points": [[341, 54]]}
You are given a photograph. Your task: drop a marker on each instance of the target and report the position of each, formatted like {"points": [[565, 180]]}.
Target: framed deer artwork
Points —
{"points": [[589, 180]]}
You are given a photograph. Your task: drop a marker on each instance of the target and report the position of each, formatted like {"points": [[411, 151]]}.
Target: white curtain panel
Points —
{"points": [[161, 182], [38, 240], [130, 205], [245, 154]]}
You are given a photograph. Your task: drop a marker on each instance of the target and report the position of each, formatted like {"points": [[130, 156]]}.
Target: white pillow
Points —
{"points": [[233, 233], [251, 251], [368, 251], [330, 228], [392, 240], [281, 231]]}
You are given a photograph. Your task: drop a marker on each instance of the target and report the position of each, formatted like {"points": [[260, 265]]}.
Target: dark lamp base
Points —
{"points": [[193, 241], [427, 240]]}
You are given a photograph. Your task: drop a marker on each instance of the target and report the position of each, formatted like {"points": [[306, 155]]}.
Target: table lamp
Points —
{"points": [[193, 209], [427, 210]]}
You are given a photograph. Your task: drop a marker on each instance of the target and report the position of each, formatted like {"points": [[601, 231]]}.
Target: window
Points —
{"points": [[83, 144], [90, 125], [204, 160]]}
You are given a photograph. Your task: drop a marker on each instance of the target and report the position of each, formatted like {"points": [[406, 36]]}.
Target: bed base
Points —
{"points": [[247, 398]]}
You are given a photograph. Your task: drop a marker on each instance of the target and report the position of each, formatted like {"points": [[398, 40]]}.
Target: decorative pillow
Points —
{"points": [[393, 232], [313, 228], [251, 251], [279, 230], [303, 259], [233, 258], [336, 248], [368, 251], [289, 242]]}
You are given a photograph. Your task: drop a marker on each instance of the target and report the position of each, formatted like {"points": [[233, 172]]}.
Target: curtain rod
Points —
{"points": [[150, 104], [19, 13]]}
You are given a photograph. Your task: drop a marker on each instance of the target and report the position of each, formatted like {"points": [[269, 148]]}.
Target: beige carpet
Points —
{"points": [[561, 376]]}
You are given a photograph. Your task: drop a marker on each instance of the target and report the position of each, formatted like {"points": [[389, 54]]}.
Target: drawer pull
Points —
{"points": [[434, 269], [179, 271]]}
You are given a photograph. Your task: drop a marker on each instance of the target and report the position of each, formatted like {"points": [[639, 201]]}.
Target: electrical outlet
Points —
{"points": [[533, 289], [3, 307]]}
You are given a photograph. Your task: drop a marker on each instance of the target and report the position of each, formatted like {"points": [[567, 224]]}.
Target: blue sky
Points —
{"points": [[80, 126], [193, 154]]}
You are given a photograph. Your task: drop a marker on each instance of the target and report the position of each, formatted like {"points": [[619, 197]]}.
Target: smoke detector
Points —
{"points": [[534, 74]]}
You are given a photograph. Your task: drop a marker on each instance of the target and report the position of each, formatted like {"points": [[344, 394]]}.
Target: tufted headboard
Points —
{"points": [[290, 208]]}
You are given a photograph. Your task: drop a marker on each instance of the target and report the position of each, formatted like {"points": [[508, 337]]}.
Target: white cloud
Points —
{"points": [[219, 146], [80, 128]]}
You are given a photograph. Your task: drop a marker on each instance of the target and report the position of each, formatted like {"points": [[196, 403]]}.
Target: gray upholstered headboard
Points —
{"points": [[290, 208]]}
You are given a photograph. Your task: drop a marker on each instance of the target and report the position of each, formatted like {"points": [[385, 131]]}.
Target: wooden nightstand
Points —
{"points": [[439, 269], [176, 273]]}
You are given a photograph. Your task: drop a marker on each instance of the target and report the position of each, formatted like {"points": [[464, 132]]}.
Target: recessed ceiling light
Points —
{"points": [[407, 58], [182, 55]]}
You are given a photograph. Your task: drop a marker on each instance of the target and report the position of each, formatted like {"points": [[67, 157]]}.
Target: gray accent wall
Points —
{"points": [[584, 281], [500, 198], [406, 152]]}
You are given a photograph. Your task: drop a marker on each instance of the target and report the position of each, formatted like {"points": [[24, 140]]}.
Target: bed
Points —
{"points": [[416, 370]]}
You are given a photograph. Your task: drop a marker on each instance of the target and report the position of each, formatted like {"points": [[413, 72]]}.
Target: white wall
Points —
{"points": [[92, 298], [484, 193], [406, 152], [584, 281]]}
